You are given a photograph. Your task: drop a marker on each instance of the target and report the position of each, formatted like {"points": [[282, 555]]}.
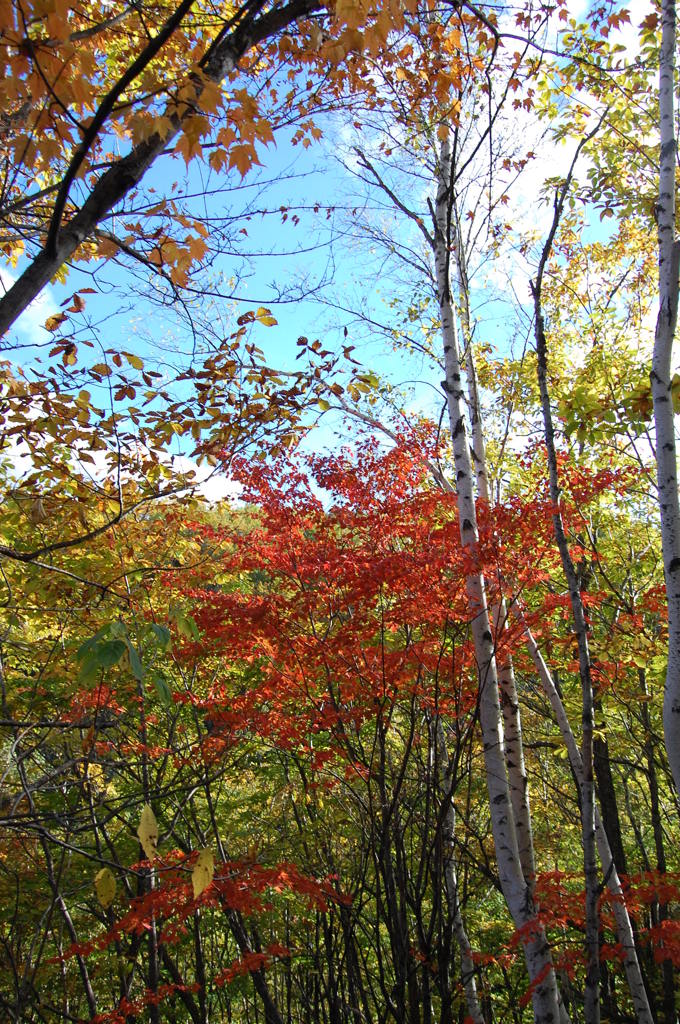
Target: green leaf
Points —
{"points": [[163, 689], [136, 666], [103, 655], [187, 627], [90, 644], [109, 653], [162, 634]]}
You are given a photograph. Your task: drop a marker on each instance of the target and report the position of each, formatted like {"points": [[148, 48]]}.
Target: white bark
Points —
{"points": [[624, 929], [545, 994], [512, 723], [666, 455]]}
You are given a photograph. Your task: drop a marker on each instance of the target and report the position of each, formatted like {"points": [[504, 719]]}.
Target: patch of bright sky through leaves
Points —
{"points": [[286, 228]]}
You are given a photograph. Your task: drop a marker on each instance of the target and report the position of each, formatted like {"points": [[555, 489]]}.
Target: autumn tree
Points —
{"points": [[374, 168]]}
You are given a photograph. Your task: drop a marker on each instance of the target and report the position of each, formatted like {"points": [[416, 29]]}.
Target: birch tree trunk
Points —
{"points": [[512, 724], [518, 896], [661, 378]]}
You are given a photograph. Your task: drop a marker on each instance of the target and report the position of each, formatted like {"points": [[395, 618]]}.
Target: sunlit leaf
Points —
{"points": [[147, 832], [105, 887], [203, 872]]}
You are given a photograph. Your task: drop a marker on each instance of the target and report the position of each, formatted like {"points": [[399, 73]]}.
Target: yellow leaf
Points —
{"points": [[196, 127], [211, 95], [14, 250], [197, 247], [203, 872], [53, 322], [148, 832], [188, 148], [105, 887], [134, 361]]}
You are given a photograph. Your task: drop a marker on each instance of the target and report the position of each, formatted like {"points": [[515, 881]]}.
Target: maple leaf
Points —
{"points": [[242, 157]]}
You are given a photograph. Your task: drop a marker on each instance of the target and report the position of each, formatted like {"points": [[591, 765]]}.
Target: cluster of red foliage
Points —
{"points": [[133, 1008], [334, 611], [561, 899], [348, 592], [338, 594], [252, 962], [238, 885]]}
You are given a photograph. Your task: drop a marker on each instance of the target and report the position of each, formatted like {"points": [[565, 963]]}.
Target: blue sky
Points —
{"points": [[289, 256]]}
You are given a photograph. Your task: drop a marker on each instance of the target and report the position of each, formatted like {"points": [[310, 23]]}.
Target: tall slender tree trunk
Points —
{"points": [[666, 455], [518, 896], [587, 781], [607, 794], [512, 723], [624, 928]]}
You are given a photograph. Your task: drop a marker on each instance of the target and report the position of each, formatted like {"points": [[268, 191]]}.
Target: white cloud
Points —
{"points": [[204, 481], [212, 485]]}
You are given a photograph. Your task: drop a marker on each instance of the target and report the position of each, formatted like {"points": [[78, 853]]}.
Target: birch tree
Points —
{"points": [[449, 251], [666, 450], [547, 1003]]}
